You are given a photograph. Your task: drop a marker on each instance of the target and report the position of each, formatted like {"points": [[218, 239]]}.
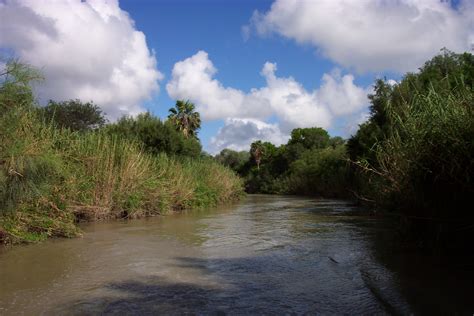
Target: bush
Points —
{"points": [[73, 114], [320, 172], [155, 135]]}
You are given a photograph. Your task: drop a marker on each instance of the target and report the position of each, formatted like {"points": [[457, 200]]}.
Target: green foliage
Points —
{"points": [[428, 155], [29, 166], [235, 160], [73, 114], [303, 139], [415, 153], [51, 177], [312, 163], [262, 152], [185, 119], [320, 172], [155, 135], [15, 90], [448, 74]]}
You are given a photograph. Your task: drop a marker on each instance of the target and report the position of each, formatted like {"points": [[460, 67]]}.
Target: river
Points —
{"points": [[265, 255]]}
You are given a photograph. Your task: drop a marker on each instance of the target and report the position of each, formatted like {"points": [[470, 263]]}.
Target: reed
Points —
{"points": [[51, 178], [430, 146]]}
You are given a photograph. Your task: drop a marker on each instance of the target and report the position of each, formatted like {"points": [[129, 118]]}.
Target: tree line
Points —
{"points": [[413, 157]]}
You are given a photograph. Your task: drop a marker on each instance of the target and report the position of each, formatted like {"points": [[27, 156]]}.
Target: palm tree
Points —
{"points": [[185, 119], [256, 151]]}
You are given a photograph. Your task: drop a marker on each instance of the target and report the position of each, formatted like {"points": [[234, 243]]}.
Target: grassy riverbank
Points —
{"points": [[51, 177]]}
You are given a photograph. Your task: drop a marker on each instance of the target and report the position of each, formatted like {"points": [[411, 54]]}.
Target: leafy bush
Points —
{"points": [[320, 172], [155, 135], [73, 114], [235, 160]]}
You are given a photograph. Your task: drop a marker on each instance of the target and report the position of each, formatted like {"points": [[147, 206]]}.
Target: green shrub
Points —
{"points": [[155, 135], [320, 172]]}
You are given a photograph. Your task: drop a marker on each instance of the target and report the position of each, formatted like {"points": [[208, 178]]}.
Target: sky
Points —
{"points": [[254, 69]]}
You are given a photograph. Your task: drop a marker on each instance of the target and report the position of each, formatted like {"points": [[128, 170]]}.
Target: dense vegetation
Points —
{"points": [[415, 153], [155, 135], [73, 114], [311, 163], [413, 157], [60, 165]]}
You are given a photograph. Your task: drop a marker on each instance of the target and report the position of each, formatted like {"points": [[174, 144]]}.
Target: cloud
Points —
{"points": [[192, 79], [397, 35], [238, 134], [341, 95], [87, 50], [283, 98]]}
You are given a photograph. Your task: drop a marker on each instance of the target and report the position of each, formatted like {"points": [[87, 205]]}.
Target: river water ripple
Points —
{"points": [[265, 255]]}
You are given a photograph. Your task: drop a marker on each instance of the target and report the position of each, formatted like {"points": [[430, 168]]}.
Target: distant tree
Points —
{"points": [[256, 152], [319, 172], [156, 136], [310, 138], [185, 119], [74, 115], [303, 139], [233, 159], [336, 141], [304, 165]]}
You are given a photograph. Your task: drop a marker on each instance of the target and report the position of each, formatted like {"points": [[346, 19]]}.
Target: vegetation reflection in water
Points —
{"points": [[269, 254]]}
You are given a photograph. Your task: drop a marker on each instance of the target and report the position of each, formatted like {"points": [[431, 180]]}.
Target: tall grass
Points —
{"points": [[428, 155], [51, 178], [425, 168]]}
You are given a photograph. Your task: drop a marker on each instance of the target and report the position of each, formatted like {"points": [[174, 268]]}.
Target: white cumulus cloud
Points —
{"points": [[285, 98], [372, 35], [192, 79], [282, 98], [238, 134], [89, 50]]}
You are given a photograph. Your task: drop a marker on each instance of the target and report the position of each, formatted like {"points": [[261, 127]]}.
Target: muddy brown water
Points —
{"points": [[265, 255]]}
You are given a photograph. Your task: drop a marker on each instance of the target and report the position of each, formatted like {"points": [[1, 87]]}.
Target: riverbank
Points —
{"points": [[53, 176], [52, 179], [76, 178]]}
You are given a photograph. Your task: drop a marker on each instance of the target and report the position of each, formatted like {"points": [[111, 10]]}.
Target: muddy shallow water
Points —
{"points": [[265, 255]]}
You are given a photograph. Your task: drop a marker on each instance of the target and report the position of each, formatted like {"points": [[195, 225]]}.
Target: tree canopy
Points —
{"points": [[185, 119], [74, 115], [157, 136]]}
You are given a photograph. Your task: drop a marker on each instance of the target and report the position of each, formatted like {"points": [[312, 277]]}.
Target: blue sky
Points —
{"points": [[215, 26], [255, 69]]}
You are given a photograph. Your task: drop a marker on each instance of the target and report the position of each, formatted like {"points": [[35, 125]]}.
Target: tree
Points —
{"points": [[74, 115], [303, 139], [185, 119], [156, 136], [15, 86], [319, 172], [256, 152], [233, 159]]}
